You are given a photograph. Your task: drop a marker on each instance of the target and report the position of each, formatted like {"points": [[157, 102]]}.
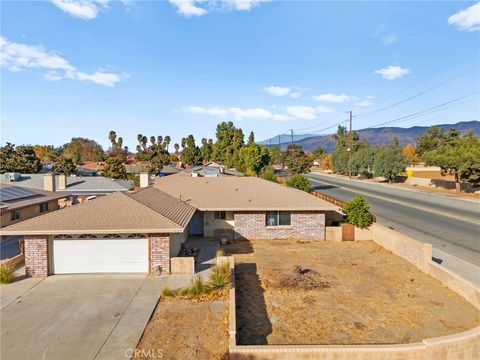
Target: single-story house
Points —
{"points": [[141, 231], [19, 204], [81, 187]]}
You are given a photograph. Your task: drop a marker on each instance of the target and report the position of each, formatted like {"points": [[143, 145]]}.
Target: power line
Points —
{"points": [[414, 96], [327, 128], [426, 110]]}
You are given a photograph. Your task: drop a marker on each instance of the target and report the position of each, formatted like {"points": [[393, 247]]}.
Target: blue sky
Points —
{"points": [[85, 67]]}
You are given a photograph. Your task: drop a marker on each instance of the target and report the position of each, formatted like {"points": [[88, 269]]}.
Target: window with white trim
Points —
{"points": [[278, 218], [43, 207], [14, 215]]}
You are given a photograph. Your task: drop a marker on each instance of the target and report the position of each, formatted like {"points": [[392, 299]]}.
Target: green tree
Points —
{"points": [[7, 158], [389, 161], [114, 169], [268, 173], [275, 155], [254, 158], [65, 166], [251, 138], [357, 212], [319, 152], [459, 156], [297, 161], [299, 181], [20, 159], [191, 153], [81, 150], [340, 156], [362, 162], [430, 140], [206, 149], [167, 141]]}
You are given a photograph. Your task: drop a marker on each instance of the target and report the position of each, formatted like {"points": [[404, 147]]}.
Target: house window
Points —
{"points": [[14, 215], [43, 207], [278, 218], [220, 215]]}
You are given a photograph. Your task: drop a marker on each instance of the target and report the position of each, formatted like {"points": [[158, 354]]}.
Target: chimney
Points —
{"points": [[49, 182], [144, 180], [62, 182]]}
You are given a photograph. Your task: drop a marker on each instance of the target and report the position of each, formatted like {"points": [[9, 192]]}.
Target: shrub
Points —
{"points": [[220, 252], [167, 292], [357, 212], [268, 174], [6, 274], [220, 275], [198, 287], [300, 182]]}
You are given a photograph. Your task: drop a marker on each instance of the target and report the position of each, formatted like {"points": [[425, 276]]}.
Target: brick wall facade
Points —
{"points": [[36, 256], [159, 253], [308, 225]]}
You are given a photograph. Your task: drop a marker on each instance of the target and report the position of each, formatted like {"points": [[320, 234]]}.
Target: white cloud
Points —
{"points": [[191, 8], [389, 39], [237, 113], [283, 91], [84, 9], [323, 109], [367, 102], [301, 112], [20, 57], [467, 19], [188, 8], [332, 98], [393, 72]]}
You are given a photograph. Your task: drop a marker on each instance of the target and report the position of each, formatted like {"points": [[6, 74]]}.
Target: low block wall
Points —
{"points": [[416, 252], [445, 184], [333, 233], [182, 265], [14, 261], [232, 315]]}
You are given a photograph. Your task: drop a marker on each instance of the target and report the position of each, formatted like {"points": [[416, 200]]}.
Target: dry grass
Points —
{"points": [[343, 293]]}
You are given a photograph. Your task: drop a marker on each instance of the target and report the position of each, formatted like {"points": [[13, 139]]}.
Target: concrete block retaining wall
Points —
{"points": [[182, 265], [461, 346]]}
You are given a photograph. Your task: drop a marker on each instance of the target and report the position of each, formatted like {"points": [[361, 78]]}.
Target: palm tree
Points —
{"points": [[176, 146], [167, 141], [152, 140]]}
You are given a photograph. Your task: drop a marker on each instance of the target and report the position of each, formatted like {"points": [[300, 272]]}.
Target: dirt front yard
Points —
{"points": [[186, 329], [339, 293]]}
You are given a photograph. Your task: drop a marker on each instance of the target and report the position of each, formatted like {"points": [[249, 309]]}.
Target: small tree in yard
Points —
{"points": [[300, 182], [389, 162], [357, 212], [114, 168], [65, 166], [268, 174]]}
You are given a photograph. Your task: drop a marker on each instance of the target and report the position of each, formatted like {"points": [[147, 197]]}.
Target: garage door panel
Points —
{"points": [[100, 255]]}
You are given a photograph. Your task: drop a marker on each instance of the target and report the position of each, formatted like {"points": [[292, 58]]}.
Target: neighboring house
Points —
{"points": [[19, 204], [78, 186], [140, 232], [213, 169]]}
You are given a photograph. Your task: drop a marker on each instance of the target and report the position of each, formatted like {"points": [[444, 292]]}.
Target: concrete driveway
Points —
{"points": [[76, 316]]}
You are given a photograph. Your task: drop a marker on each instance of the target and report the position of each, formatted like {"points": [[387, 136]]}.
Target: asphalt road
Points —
{"points": [[450, 224]]}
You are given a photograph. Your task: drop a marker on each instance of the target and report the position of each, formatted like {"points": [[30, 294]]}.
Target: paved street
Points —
{"points": [[451, 225]]}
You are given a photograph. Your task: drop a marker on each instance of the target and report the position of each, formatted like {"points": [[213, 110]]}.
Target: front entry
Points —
{"points": [[196, 224]]}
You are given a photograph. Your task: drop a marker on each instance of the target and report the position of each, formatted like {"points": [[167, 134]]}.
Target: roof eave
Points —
{"points": [[80, 232]]}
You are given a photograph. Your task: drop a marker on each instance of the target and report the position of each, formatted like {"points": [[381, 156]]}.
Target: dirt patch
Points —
{"points": [[340, 293], [183, 329]]}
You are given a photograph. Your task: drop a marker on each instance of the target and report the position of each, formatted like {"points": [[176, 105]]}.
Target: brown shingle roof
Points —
{"points": [[172, 208], [116, 213], [240, 194]]}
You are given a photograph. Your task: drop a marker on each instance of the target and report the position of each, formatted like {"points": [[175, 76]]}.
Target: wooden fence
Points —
{"points": [[335, 201]]}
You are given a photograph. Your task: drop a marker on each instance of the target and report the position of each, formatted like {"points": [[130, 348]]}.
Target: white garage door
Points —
{"points": [[100, 256]]}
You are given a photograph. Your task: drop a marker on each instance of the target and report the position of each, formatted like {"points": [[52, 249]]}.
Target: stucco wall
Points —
{"points": [[28, 213], [176, 241], [210, 224], [304, 225]]}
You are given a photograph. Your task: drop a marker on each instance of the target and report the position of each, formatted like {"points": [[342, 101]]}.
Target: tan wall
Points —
{"points": [[176, 241], [210, 224], [14, 261], [28, 212], [416, 252], [333, 233], [182, 265]]}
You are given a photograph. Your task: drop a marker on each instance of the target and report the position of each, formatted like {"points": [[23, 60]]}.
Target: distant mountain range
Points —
{"points": [[375, 136]]}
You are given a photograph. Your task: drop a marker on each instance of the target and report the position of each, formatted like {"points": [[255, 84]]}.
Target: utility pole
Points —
{"points": [[291, 131], [350, 147]]}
